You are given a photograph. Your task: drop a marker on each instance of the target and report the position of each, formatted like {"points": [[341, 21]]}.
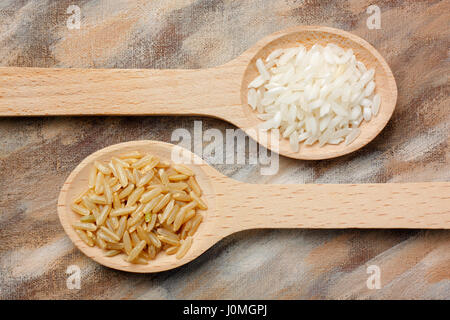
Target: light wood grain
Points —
{"points": [[235, 206], [219, 92]]}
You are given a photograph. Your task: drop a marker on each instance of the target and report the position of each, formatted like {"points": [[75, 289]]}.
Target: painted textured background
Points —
{"points": [[37, 154]]}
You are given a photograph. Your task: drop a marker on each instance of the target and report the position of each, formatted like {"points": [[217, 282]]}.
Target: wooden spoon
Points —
{"points": [[235, 206], [219, 92]]}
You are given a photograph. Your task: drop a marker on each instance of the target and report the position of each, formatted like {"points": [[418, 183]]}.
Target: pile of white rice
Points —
{"points": [[318, 95]]}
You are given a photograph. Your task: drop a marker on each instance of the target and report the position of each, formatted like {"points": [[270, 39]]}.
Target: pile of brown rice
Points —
{"points": [[138, 205]]}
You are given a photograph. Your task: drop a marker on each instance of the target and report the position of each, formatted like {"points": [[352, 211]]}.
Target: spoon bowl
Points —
{"points": [[309, 36], [234, 206], [78, 180], [219, 92]]}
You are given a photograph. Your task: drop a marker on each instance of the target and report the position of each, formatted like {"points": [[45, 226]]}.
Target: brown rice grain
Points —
{"points": [[96, 199], [142, 162], [195, 224], [168, 240], [122, 211], [116, 201], [108, 193], [150, 166], [102, 168], [113, 169], [139, 208], [105, 237], [139, 260], [103, 215], [134, 220], [116, 188], [99, 181], [92, 177], [178, 177], [192, 182], [167, 211], [172, 250], [145, 179], [120, 162], [134, 196], [130, 176], [110, 233], [127, 243], [173, 214], [200, 203], [167, 233], [163, 164], [89, 218], [130, 161], [77, 200], [136, 250], [162, 203], [79, 209], [127, 191], [154, 239], [85, 226], [185, 229], [189, 215], [179, 219], [177, 186], [163, 176], [149, 195], [151, 252], [112, 253], [84, 237], [122, 226], [115, 246], [149, 206], [114, 222], [123, 178], [137, 176], [143, 235], [96, 212], [112, 181], [152, 223], [100, 242], [185, 245], [182, 197], [87, 202], [134, 238], [144, 255], [131, 154], [183, 169]]}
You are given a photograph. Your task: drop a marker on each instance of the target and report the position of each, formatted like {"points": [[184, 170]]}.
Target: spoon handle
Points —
{"points": [[48, 91], [393, 205]]}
